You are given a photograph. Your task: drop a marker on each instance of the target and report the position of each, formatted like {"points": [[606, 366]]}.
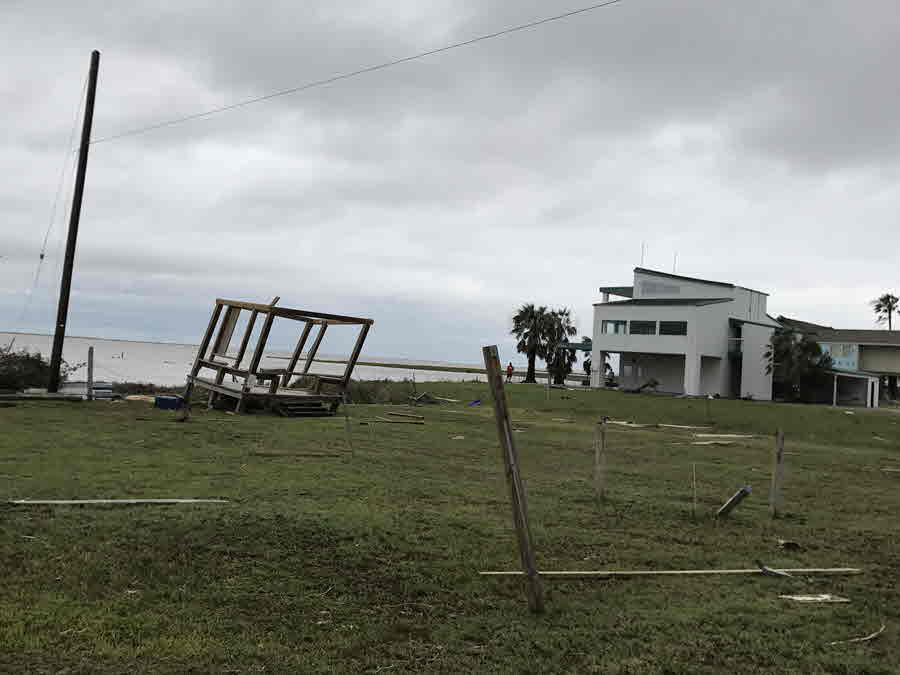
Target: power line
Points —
{"points": [[355, 73], [70, 146]]}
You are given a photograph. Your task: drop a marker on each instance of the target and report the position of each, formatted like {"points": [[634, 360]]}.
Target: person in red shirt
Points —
{"points": [[509, 372]]}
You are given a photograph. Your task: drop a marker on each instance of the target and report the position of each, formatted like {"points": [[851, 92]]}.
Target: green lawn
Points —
{"points": [[368, 560]]}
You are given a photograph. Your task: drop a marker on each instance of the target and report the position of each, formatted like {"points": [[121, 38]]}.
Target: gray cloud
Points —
{"points": [[758, 141]]}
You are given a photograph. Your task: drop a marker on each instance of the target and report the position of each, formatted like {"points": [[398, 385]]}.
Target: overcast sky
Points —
{"points": [[760, 141]]}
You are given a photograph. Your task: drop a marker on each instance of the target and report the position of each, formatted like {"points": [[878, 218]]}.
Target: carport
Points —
{"points": [[854, 388]]}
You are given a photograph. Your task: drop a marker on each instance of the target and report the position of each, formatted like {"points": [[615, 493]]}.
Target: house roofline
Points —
{"points": [[667, 275], [664, 302]]}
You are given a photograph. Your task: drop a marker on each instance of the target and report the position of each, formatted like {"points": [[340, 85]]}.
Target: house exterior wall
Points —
{"points": [[755, 381], [712, 380], [885, 360], [659, 344]]}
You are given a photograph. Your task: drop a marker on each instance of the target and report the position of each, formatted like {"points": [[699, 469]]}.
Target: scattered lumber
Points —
{"points": [[712, 442], [736, 499], [681, 426], [400, 414], [769, 572], [724, 435], [818, 597], [386, 420], [859, 639], [111, 502], [575, 574], [633, 425]]}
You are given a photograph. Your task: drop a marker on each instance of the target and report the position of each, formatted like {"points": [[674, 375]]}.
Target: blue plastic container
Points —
{"points": [[168, 402]]}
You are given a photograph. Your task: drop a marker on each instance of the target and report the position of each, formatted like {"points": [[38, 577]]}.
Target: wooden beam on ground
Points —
{"points": [[736, 499], [400, 414], [113, 502], [514, 480], [575, 574]]}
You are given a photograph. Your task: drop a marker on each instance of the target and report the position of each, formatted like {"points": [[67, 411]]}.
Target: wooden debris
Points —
{"points": [[651, 573], [724, 436], [769, 572], [789, 545], [681, 426], [622, 423], [860, 639], [112, 502], [457, 438], [888, 469], [736, 499], [820, 597], [410, 415], [390, 421], [712, 443]]}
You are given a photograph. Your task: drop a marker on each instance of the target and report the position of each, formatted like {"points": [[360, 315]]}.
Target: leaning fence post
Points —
{"points": [[514, 480], [777, 474]]}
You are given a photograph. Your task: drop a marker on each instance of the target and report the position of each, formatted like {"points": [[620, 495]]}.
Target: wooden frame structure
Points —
{"points": [[270, 385]]}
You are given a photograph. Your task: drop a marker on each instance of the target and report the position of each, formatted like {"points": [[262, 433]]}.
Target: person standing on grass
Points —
{"points": [[509, 372]]}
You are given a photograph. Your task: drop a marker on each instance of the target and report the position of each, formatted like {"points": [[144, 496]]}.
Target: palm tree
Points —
{"points": [[798, 363], [529, 326], [884, 307], [559, 329]]}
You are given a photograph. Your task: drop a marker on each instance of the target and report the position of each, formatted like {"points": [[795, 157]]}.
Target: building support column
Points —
{"points": [[834, 394], [692, 375]]}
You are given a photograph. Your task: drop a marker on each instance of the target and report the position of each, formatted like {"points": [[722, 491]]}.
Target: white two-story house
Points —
{"points": [[692, 336]]}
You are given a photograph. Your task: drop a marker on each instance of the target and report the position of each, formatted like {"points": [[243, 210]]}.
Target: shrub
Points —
{"points": [[19, 370]]}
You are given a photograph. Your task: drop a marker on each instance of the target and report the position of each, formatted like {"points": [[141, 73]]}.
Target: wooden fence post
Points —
{"points": [[694, 485], [600, 460], [777, 474], [514, 480], [90, 374]]}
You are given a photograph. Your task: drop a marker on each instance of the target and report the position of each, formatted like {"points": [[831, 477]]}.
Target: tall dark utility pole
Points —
{"points": [[66, 284]]}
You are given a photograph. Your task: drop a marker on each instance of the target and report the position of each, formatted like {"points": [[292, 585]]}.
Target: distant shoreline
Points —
{"points": [[97, 337]]}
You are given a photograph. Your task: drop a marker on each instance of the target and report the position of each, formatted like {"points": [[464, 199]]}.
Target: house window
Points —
{"points": [[643, 328], [673, 327], [613, 327]]}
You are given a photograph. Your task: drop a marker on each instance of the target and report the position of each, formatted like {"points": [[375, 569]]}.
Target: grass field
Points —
{"points": [[331, 560]]}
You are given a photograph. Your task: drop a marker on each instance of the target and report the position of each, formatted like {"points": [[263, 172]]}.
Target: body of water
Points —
{"points": [[167, 364]]}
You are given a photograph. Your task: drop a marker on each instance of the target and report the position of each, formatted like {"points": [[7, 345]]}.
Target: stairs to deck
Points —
{"points": [[305, 408]]}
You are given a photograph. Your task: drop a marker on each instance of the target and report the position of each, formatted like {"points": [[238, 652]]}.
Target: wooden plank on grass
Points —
{"points": [[514, 480], [113, 502], [575, 574], [400, 414]]}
